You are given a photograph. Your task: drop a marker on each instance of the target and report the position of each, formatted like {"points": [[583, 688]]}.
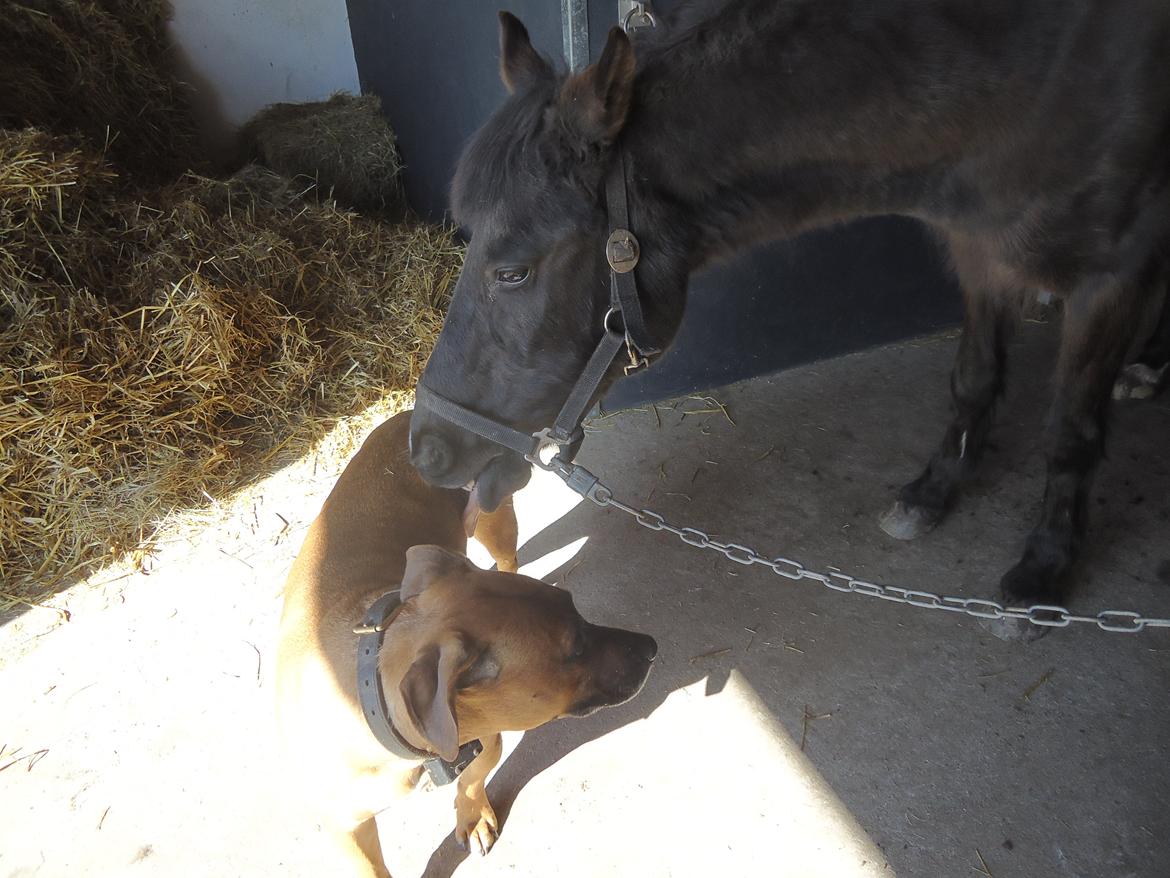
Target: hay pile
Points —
{"points": [[157, 350], [100, 70], [166, 338], [343, 144]]}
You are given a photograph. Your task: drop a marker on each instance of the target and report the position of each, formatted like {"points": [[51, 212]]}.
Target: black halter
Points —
{"points": [[623, 326]]}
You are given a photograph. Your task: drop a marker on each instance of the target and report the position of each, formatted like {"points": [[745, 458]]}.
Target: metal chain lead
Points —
{"points": [[589, 486]]}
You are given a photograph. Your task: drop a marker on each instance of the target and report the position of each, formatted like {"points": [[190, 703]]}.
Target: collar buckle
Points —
{"points": [[365, 627]]}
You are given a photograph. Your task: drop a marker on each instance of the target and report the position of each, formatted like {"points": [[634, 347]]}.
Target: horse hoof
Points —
{"points": [[1138, 381], [906, 522], [1014, 630], [1026, 585]]}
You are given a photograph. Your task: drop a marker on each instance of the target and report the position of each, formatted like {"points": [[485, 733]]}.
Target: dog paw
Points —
{"points": [[1138, 381], [477, 830], [906, 522], [507, 565]]}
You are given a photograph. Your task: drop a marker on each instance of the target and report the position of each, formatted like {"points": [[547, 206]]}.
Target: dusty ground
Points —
{"points": [[136, 736]]}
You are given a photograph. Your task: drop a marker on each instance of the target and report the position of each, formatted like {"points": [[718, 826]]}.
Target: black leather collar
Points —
{"points": [[372, 631]]}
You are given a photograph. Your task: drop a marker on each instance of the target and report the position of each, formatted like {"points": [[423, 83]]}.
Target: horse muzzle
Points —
{"points": [[448, 457]]}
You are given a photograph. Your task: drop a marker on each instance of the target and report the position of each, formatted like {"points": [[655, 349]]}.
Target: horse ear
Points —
{"points": [[425, 564], [594, 103], [428, 693], [520, 64]]}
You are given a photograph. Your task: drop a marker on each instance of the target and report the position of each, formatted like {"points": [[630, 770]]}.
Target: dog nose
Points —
{"points": [[431, 455]]}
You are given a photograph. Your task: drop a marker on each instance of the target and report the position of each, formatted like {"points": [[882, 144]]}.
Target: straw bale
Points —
{"points": [[102, 70], [344, 144], [157, 352]]}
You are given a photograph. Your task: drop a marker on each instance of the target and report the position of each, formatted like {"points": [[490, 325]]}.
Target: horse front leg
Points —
{"points": [[977, 380], [1099, 323]]}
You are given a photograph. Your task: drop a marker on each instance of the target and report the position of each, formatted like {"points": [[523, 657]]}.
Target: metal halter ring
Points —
{"points": [[639, 17], [544, 440], [605, 324]]}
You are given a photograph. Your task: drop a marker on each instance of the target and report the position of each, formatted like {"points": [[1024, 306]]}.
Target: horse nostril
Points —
{"points": [[430, 455]]}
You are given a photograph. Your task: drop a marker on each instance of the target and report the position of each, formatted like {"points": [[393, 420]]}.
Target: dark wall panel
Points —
{"points": [[435, 66], [820, 295]]}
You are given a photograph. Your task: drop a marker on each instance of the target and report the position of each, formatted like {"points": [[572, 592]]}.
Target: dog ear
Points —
{"points": [[428, 691], [520, 64], [593, 104], [425, 564], [481, 668]]}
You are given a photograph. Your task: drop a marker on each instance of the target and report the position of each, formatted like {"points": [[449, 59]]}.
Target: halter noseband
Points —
{"points": [[623, 325]]}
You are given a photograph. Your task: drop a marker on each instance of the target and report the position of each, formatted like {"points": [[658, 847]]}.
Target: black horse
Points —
{"points": [[1032, 135]]}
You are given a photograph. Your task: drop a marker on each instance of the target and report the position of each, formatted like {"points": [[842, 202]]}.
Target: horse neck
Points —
{"points": [[769, 118]]}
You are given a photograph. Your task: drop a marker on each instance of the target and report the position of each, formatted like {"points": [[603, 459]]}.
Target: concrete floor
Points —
{"points": [[930, 748], [940, 742]]}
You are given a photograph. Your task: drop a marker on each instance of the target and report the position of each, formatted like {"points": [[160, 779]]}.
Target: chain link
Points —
{"points": [[589, 486]]}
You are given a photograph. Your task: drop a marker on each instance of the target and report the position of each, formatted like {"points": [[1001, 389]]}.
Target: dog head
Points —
{"points": [[474, 652]]}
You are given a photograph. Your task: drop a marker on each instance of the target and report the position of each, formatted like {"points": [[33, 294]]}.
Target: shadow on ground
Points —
{"points": [[949, 746]]}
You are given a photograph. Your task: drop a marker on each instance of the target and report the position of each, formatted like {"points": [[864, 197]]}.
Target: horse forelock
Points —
{"points": [[502, 162]]}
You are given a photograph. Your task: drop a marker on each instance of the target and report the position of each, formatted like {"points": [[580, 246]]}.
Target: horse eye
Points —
{"points": [[512, 275]]}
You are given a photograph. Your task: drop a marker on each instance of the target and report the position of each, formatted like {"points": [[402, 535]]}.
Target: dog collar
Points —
{"points": [[372, 633]]}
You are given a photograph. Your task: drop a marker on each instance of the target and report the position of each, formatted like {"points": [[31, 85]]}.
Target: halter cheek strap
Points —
{"points": [[622, 252]]}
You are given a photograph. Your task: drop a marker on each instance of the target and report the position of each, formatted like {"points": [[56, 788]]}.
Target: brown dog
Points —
{"points": [[469, 654]]}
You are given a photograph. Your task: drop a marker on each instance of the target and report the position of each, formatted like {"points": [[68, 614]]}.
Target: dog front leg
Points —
{"points": [[475, 821], [362, 850]]}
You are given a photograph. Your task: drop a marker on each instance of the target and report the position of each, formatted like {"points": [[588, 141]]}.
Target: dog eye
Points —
{"points": [[512, 275]]}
